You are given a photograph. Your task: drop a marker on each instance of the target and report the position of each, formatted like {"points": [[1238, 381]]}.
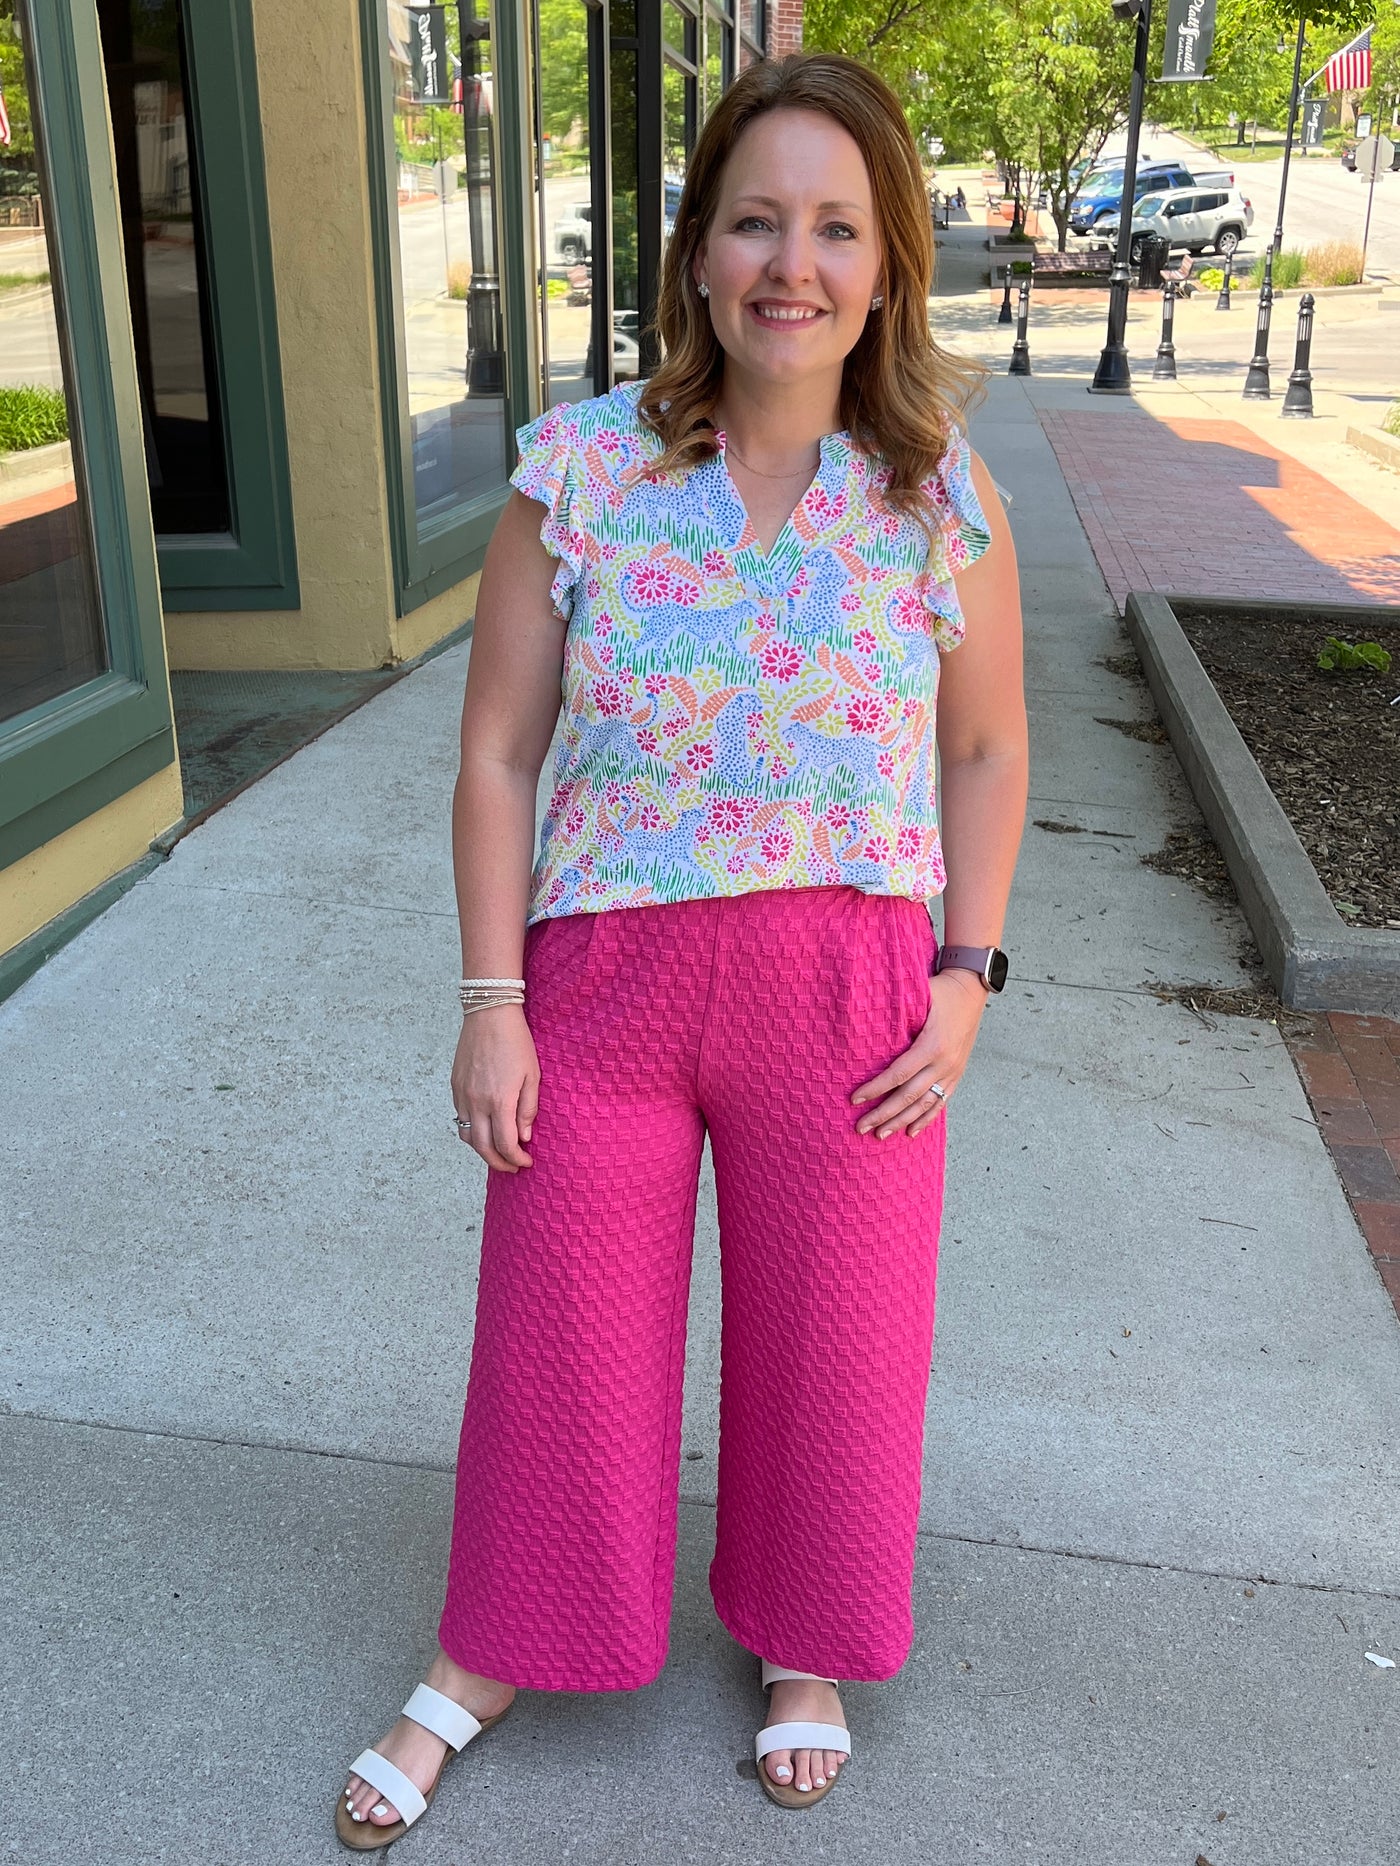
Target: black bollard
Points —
{"points": [[1164, 369], [1256, 383], [1297, 399], [1222, 303], [1020, 364], [1004, 315]]}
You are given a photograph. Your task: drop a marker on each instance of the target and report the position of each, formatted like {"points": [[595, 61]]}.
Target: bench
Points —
{"points": [[1094, 264], [1179, 277]]}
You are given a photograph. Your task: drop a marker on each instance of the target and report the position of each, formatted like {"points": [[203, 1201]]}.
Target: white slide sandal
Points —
{"points": [[444, 1718], [796, 1735]]}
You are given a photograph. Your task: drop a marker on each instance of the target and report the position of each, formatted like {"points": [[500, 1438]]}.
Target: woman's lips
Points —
{"points": [[786, 317]]}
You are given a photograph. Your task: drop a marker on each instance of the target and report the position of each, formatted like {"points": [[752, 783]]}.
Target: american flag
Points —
{"points": [[4, 123], [1350, 69]]}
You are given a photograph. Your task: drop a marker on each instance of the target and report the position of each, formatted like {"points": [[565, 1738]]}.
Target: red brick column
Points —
{"points": [[784, 27]]}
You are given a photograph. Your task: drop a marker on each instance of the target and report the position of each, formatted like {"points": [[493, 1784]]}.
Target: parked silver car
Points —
{"points": [[1188, 217]]}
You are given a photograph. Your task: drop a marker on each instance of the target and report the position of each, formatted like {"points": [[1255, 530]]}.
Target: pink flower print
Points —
{"points": [[603, 624], [871, 668], [700, 757], [606, 653], [609, 440], [850, 605], [909, 609], [726, 815], [754, 717], [884, 764], [864, 638], [908, 844], [609, 698], [891, 696], [686, 594], [587, 864], [647, 739], [780, 660], [909, 708], [776, 844], [780, 770], [736, 865], [651, 816], [838, 816], [864, 714], [573, 822], [819, 500], [610, 552], [715, 564], [612, 793], [655, 683], [650, 584], [877, 849], [675, 724]]}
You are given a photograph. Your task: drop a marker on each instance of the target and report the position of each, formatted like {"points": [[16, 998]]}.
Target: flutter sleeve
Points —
{"points": [[966, 537], [548, 471]]}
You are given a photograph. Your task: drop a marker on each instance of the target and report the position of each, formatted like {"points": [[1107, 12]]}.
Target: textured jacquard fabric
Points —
{"points": [[734, 719], [754, 1016]]}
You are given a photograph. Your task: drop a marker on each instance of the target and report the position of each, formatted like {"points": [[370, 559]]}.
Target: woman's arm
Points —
{"points": [[982, 740], [982, 810], [508, 718]]}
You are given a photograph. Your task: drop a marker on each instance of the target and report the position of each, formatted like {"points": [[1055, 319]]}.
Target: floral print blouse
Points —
{"points": [[735, 720]]}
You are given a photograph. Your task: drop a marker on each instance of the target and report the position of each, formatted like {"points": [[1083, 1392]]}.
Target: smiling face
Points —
{"points": [[792, 257]]}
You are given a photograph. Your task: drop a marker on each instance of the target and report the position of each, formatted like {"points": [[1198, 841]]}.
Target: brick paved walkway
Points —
{"points": [[1351, 1070], [1194, 506]]}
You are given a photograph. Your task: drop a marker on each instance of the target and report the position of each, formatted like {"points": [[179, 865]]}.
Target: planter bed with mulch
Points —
{"points": [[1297, 772]]}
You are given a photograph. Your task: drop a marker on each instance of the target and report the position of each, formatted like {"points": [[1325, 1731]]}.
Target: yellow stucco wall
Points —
{"points": [[42, 884], [311, 94]]}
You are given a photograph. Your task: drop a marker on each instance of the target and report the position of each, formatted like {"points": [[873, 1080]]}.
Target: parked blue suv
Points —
{"points": [[1102, 193]]}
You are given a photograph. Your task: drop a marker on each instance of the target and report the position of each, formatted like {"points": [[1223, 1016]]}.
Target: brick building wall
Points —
{"points": [[784, 27]]}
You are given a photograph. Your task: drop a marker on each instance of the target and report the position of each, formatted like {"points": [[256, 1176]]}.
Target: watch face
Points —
{"points": [[996, 969]]}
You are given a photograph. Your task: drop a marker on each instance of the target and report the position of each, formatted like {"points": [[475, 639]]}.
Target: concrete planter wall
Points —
{"points": [[1317, 962]]}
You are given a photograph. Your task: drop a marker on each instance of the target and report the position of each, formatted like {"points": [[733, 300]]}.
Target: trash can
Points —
{"points": [[1155, 253]]}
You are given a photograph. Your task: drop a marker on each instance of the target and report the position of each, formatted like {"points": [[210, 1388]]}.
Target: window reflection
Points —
{"points": [[143, 52], [623, 90], [445, 203], [51, 636], [566, 190]]}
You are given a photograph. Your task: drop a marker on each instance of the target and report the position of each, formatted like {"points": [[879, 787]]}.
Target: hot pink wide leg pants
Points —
{"points": [[753, 1016]]}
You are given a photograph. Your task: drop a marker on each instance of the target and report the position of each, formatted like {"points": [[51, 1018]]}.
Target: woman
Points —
{"points": [[748, 572]]}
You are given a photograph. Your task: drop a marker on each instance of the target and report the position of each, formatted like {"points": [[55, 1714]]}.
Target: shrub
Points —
{"points": [[31, 417], [1337, 262], [1288, 270], [459, 277], [1391, 424], [1211, 278]]}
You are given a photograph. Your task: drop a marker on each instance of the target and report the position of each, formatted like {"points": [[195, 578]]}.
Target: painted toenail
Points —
{"points": [[818, 1781], [357, 1817], [803, 1787], [383, 1808]]}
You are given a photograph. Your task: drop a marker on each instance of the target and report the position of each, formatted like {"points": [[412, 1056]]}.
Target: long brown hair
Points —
{"points": [[901, 394]]}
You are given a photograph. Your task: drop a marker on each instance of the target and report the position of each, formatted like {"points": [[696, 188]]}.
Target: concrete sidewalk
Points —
{"points": [[1158, 1534]]}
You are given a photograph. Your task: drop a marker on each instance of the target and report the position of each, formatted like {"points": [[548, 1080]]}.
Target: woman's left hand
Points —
{"points": [[936, 1058]]}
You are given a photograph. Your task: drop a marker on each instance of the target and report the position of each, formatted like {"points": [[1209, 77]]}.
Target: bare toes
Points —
{"points": [[779, 1767]]}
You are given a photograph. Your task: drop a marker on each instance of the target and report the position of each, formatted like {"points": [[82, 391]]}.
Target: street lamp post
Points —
{"points": [[1288, 140], [1113, 376]]}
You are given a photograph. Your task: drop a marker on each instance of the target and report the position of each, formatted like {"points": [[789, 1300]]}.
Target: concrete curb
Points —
{"points": [[1376, 442], [1314, 959]]}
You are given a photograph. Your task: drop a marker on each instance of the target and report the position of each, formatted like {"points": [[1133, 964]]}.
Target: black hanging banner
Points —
{"points": [[427, 30], [1314, 109], [1189, 37]]}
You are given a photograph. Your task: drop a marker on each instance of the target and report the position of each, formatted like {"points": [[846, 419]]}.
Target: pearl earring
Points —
{"points": [[703, 289], [877, 301]]}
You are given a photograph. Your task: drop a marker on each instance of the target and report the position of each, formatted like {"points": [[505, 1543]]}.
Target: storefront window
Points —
{"points": [[51, 634], [566, 191], [444, 201], [716, 59], [143, 49]]}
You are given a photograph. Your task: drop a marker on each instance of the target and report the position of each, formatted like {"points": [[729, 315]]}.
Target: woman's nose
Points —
{"points": [[794, 259]]}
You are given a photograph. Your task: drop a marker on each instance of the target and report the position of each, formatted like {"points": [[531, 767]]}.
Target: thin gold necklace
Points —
{"points": [[731, 448]]}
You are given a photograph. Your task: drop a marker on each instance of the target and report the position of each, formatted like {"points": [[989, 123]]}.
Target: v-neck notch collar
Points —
{"points": [[776, 570]]}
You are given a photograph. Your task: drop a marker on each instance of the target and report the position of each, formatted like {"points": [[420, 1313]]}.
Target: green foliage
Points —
{"points": [[1288, 270], [1391, 424], [12, 83], [1211, 278], [1344, 16], [1344, 657], [31, 416]]}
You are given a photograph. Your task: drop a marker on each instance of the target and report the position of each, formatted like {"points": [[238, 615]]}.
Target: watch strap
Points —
{"points": [[976, 959]]}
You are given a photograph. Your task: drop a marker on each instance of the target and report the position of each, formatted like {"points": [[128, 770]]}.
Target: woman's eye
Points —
{"points": [[750, 220], [840, 227]]}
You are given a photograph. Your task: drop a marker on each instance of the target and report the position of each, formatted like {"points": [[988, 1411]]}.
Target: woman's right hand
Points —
{"points": [[496, 1085]]}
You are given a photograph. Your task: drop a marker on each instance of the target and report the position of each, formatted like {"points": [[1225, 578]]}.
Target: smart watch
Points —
{"points": [[988, 962]]}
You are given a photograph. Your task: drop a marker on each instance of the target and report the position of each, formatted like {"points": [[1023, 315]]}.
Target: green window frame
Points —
{"points": [[67, 757], [425, 567], [253, 566]]}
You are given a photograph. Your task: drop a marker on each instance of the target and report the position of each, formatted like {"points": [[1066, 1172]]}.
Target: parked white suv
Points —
{"points": [[573, 234], [1193, 218]]}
